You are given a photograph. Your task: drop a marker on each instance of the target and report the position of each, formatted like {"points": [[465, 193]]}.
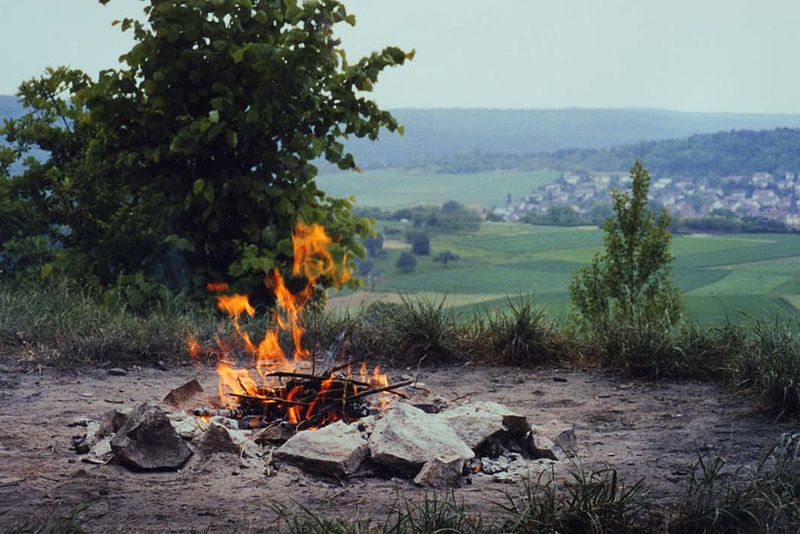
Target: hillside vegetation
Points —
{"points": [[704, 155]]}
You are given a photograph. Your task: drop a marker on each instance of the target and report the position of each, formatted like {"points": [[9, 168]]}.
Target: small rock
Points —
{"points": [[147, 440], [560, 433], [543, 447], [504, 478], [407, 437], [336, 449], [160, 365], [100, 453], [491, 467], [221, 440], [276, 435], [117, 371], [183, 396], [111, 422], [441, 472]]}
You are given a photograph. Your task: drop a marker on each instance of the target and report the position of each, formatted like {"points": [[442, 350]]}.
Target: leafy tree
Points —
{"points": [[406, 263], [630, 283], [374, 246], [193, 161], [420, 242], [445, 257]]}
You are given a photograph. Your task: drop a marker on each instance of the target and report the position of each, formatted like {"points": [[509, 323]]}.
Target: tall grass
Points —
{"points": [[69, 326], [519, 334], [422, 330], [770, 363], [765, 499]]}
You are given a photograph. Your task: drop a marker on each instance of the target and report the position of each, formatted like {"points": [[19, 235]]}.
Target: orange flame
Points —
{"points": [[314, 258]]}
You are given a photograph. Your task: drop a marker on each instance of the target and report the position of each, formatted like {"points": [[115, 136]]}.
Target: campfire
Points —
{"points": [[272, 388], [273, 391]]}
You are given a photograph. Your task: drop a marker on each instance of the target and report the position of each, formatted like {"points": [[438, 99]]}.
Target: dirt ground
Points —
{"points": [[643, 429]]}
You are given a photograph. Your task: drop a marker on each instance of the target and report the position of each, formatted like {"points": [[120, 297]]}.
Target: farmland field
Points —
{"points": [[394, 189], [724, 277]]}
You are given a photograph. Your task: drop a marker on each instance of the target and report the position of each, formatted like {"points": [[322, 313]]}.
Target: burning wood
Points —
{"points": [[306, 401]]}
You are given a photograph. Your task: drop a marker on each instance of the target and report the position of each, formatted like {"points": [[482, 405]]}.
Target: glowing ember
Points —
{"points": [[280, 388]]}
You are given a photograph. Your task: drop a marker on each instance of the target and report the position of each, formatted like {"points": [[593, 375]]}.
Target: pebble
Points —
{"points": [[117, 371]]}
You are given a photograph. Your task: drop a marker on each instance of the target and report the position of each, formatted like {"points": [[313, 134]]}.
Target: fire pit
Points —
{"points": [[273, 405]]}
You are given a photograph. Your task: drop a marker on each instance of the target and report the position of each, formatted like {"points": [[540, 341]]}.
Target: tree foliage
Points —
{"points": [[630, 283], [193, 161], [406, 263], [446, 257], [420, 242]]}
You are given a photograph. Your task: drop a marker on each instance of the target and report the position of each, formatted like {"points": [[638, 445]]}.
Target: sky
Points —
{"points": [[690, 55]]}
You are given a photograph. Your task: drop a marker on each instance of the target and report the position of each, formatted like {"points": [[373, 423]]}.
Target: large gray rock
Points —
{"points": [[336, 449], [407, 437], [147, 440], [441, 472], [478, 421]]}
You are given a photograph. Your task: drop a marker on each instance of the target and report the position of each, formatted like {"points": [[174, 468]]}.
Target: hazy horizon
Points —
{"points": [[731, 56]]}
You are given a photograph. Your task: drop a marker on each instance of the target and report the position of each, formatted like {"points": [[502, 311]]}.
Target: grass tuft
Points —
{"points": [[596, 501], [519, 334]]}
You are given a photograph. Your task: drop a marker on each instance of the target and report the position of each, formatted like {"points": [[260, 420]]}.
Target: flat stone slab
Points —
{"points": [[476, 422], [336, 449], [147, 441], [406, 438]]}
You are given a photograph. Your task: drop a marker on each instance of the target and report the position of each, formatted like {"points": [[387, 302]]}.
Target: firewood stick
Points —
{"points": [[316, 378], [212, 412], [339, 367], [273, 399], [387, 389]]}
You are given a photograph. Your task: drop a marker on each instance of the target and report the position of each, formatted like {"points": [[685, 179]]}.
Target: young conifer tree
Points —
{"points": [[629, 284]]}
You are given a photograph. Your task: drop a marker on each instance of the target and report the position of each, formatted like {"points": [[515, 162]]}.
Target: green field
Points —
{"points": [[394, 189], [725, 277]]}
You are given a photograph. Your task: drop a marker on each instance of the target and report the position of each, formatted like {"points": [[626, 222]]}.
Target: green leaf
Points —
{"points": [[213, 116], [232, 138], [198, 186]]}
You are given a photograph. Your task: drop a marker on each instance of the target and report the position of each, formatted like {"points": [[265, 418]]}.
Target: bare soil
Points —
{"points": [[650, 430]]}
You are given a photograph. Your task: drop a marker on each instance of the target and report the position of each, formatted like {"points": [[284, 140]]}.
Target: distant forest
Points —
{"points": [[475, 140], [706, 155]]}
